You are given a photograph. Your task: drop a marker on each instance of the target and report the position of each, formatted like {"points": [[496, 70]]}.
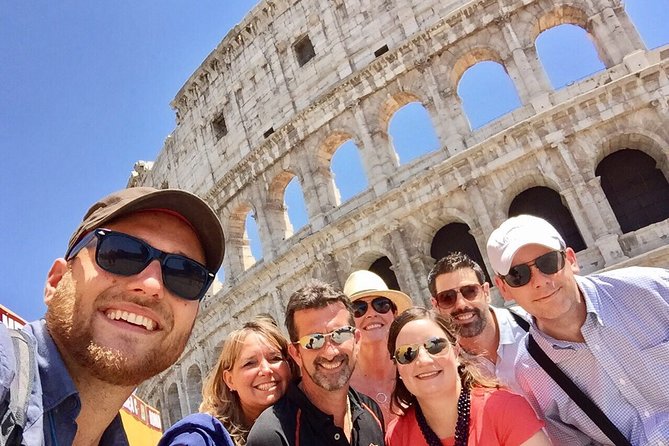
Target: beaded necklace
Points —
{"points": [[461, 426]]}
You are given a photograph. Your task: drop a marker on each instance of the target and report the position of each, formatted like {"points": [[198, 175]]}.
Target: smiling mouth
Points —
{"points": [[265, 387], [373, 326], [428, 375], [465, 317], [541, 299], [331, 365], [131, 318]]}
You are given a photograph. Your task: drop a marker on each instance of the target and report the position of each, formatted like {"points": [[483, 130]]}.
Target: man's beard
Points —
{"points": [[329, 382], [473, 328], [72, 331]]}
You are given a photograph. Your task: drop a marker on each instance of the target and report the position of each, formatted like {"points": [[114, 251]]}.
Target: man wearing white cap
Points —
{"points": [[374, 308], [608, 334]]}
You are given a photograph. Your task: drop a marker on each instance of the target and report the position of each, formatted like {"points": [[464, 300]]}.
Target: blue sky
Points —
{"points": [[85, 90]]}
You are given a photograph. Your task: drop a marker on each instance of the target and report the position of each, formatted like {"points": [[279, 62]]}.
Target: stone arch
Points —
{"points": [[456, 236], [238, 243], [275, 205], [548, 204], [523, 183], [173, 405], [470, 58], [194, 387], [638, 196], [641, 139], [392, 103], [379, 263], [561, 14], [330, 152]]}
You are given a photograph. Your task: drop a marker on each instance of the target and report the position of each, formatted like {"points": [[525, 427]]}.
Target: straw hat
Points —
{"points": [[365, 283]]}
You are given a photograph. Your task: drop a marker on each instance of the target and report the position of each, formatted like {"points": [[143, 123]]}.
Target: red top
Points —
{"points": [[498, 417]]}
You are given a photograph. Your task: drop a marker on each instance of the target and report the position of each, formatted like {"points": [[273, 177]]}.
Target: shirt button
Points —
{"points": [[337, 436], [596, 347], [646, 414], [622, 382]]}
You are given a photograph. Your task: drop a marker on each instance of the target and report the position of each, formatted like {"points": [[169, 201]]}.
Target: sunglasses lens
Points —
{"points": [[446, 298], [359, 308], [382, 305], [470, 292], [405, 354], [550, 263], [518, 276], [313, 341], [435, 345], [343, 334], [185, 277], [122, 255]]}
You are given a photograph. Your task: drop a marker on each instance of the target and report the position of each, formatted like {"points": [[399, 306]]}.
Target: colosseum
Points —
{"points": [[295, 80]]}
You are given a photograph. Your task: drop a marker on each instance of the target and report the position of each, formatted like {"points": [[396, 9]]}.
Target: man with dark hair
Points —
{"points": [[321, 408], [607, 334], [489, 336], [121, 304]]}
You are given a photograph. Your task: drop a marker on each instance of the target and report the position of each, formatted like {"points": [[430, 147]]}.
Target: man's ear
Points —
{"points": [[294, 352], [435, 307], [573, 261], [486, 291], [53, 278], [503, 288]]}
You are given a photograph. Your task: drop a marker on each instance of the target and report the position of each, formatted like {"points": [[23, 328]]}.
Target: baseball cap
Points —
{"points": [[517, 232], [192, 209]]}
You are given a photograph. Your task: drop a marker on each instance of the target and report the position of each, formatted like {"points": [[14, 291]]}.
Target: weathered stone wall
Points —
{"points": [[253, 80]]}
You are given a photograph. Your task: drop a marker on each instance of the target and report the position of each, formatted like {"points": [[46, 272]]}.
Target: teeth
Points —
{"points": [[427, 375], [330, 365], [266, 386], [464, 317], [131, 318], [373, 326]]}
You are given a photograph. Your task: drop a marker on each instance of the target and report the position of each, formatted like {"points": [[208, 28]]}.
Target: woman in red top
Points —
{"points": [[444, 400]]}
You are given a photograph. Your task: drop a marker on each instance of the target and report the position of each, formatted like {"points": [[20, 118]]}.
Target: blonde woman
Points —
{"points": [[443, 400], [252, 373]]}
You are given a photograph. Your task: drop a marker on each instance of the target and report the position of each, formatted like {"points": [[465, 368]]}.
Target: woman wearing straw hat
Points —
{"points": [[374, 307]]}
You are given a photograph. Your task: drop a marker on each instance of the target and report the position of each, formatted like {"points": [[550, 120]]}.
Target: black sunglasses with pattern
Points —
{"points": [[125, 255], [549, 263]]}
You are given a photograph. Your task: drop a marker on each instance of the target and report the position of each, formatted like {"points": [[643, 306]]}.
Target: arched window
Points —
{"points": [[253, 236], [567, 54], [194, 388], [637, 190], [547, 204], [412, 133], [294, 204], [349, 175], [456, 237], [487, 92], [173, 405], [382, 268]]}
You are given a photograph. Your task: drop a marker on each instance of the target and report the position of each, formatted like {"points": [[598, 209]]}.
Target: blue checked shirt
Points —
{"points": [[623, 366]]}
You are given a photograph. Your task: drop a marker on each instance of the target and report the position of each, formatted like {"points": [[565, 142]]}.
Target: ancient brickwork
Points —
{"points": [[294, 80]]}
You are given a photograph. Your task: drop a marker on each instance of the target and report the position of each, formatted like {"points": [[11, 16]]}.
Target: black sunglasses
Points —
{"points": [[125, 255], [406, 354], [447, 298], [381, 305], [549, 263], [314, 341]]}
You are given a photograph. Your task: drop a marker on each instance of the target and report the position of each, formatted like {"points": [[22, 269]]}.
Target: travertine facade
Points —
{"points": [[258, 112]]}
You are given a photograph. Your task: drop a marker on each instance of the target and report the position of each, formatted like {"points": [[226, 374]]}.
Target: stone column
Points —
{"points": [[456, 120], [405, 252], [378, 157], [612, 38], [450, 129]]}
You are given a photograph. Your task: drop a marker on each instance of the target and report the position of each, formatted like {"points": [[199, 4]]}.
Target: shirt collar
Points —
{"points": [[505, 325], [57, 386]]}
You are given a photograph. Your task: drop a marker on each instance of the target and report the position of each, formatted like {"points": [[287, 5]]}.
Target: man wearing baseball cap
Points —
{"points": [[607, 333], [121, 304]]}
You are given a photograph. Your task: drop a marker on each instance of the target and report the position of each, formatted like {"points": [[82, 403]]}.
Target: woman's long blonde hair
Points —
{"points": [[217, 399]]}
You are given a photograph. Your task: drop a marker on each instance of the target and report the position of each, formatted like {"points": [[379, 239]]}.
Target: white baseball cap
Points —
{"points": [[517, 232]]}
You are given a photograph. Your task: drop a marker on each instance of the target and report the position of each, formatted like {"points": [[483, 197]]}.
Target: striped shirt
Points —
{"points": [[623, 365]]}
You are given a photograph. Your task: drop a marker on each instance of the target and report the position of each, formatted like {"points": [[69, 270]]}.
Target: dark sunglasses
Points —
{"points": [[381, 305], [406, 354], [125, 255], [549, 263], [447, 298], [315, 341]]}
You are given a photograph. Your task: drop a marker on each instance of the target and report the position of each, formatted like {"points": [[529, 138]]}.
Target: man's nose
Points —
{"points": [[149, 281]]}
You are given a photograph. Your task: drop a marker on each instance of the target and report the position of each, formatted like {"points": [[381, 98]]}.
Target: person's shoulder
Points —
{"points": [[632, 275], [368, 404], [198, 429], [497, 399], [274, 423], [399, 429]]}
